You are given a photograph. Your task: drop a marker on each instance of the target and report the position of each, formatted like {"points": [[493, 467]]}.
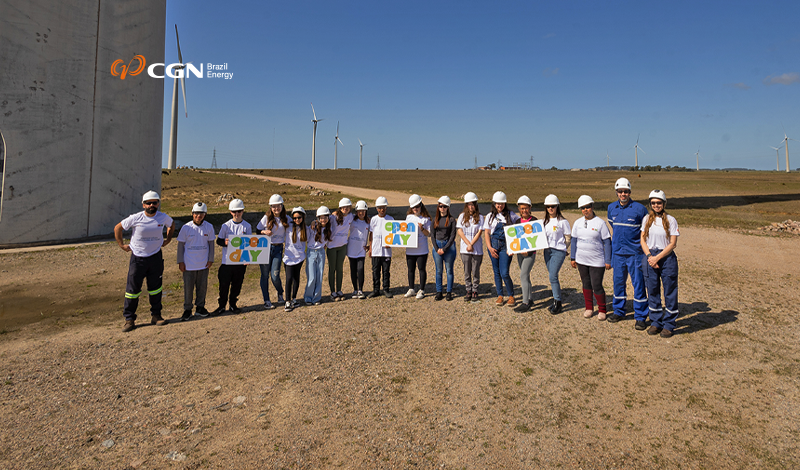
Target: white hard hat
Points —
{"points": [[275, 199], [322, 210], [344, 202], [470, 197], [298, 209], [445, 200], [199, 207], [150, 195], [584, 201], [361, 206], [622, 183], [236, 205], [381, 201], [414, 200], [551, 200], [499, 196], [658, 194], [524, 200]]}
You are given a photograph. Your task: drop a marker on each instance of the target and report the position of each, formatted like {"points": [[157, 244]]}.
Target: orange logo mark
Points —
{"points": [[119, 69]]}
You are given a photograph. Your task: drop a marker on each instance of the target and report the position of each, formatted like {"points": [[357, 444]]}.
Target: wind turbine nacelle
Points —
{"points": [[175, 70]]}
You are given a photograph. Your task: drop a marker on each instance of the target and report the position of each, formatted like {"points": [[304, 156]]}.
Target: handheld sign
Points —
{"points": [[400, 234], [525, 237], [247, 249]]}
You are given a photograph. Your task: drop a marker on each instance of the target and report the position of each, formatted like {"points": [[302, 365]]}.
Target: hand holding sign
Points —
{"points": [[525, 237]]}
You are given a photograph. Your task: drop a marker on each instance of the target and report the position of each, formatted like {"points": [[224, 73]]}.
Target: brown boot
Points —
{"points": [[158, 320], [130, 325]]}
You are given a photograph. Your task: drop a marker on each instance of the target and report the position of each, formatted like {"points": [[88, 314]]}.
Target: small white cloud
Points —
{"points": [[738, 86], [548, 72], [785, 79], [549, 35]]}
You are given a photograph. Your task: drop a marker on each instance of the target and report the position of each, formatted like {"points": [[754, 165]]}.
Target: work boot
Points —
{"points": [[653, 330], [157, 320], [130, 325], [613, 318], [640, 325]]}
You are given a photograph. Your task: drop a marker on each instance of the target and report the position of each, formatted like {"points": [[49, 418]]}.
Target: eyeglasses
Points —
{"points": [[150, 203]]}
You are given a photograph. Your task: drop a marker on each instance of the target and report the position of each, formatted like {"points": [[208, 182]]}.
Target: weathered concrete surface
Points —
{"points": [[82, 144]]}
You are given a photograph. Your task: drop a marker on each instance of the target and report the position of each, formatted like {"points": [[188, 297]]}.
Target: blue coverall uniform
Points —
{"points": [[627, 256]]}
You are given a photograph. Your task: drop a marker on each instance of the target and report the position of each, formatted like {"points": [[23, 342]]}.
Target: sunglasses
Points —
{"points": [[656, 203], [442, 206], [236, 212], [623, 191], [151, 203], [297, 218]]}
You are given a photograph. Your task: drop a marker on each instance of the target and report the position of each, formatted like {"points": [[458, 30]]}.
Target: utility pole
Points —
{"points": [[214, 159]]}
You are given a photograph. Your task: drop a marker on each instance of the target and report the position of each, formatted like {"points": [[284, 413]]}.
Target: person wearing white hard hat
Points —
{"points": [[357, 248], [147, 261], [525, 260], [231, 276], [443, 237], [625, 217], [294, 254], [195, 256], [558, 232], [659, 239], [470, 231], [495, 239], [417, 258], [381, 255], [337, 247], [273, 224], [590, 253], [319, 236]]}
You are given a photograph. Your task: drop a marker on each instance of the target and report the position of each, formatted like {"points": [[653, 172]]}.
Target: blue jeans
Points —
{"points": [[273, 271], [554, 259], [449, 258], [315, 265]]}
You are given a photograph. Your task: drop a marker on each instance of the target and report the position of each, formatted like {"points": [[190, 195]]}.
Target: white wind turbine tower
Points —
{"points": [[335, 149], [636, 150], [777, 157], [697, 154], [360, 153], [786, 140], [314, 138], [608, 159], [172, 160]]}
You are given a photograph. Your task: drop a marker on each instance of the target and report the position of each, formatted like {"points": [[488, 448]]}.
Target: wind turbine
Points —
{"points": [[360, 153], [636, 150], [314, 138], [335, 149], [172, 160], [697, 155], [608, 160], [777, 157], [786, 140]]}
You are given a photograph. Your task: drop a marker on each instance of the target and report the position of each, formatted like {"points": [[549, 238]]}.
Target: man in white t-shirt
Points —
{"points": [[381, 255], [231, 276], [195, 256], [147, 261]]}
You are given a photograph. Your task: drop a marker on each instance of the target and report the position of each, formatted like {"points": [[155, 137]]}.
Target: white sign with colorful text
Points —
{"points": [[248, 249], [400, 234], [525, 237]]}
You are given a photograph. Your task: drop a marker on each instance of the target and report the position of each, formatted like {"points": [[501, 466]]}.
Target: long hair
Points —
{"points": [[447, 218], [506, 213], [366, 216], [652, 218], [339, 216], [271, 218], [423, 211], [325, 232], [559, 216], [302, 227], [476, 216]]}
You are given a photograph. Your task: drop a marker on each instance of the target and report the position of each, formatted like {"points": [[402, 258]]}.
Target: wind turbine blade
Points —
{"points": [[642, 150], [340, 141], [359, 143], [183, 87], [337, 129], [637, 138], [774, 148], [180, 57], [313, 112]]}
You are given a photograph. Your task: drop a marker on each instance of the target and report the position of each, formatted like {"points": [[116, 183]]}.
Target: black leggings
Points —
{"points": [[357, 273], [418, 262], [293, 280], [592, 278]]}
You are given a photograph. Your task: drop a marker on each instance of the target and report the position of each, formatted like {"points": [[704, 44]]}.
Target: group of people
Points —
{"points": [[642, 247]]}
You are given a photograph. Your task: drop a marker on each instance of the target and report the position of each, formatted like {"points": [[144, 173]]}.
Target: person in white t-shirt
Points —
{"points": [[590, 252], [147, 261], [297, 236], [381, 255], [337, 247], [357, 248], [558, 232], [273, 224], [195, 256], [470, 231], [659, 239], [417, 258], [494, 236], [318, 238], [231, 276]]}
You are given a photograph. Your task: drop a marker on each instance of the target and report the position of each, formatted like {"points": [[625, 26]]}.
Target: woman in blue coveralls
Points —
{"points": [[659, 238], [496, 245]]}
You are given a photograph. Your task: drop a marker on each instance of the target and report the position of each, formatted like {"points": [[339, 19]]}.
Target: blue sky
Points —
{"points": [[435, 84]]}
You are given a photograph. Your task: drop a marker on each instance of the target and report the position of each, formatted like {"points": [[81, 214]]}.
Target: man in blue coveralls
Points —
{"points": [[625, 217]]}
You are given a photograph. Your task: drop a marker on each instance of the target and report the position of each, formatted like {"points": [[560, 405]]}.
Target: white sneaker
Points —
{"points": [[288, 307], [355, 294], [421, 294], [361, 295], [410, 293]]}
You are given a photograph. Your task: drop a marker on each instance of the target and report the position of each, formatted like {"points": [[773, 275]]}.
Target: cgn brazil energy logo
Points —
{"points": [[176, 70]]}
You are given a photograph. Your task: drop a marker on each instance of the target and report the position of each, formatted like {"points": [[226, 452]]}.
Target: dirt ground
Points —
{"points": [[402, 383]]}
